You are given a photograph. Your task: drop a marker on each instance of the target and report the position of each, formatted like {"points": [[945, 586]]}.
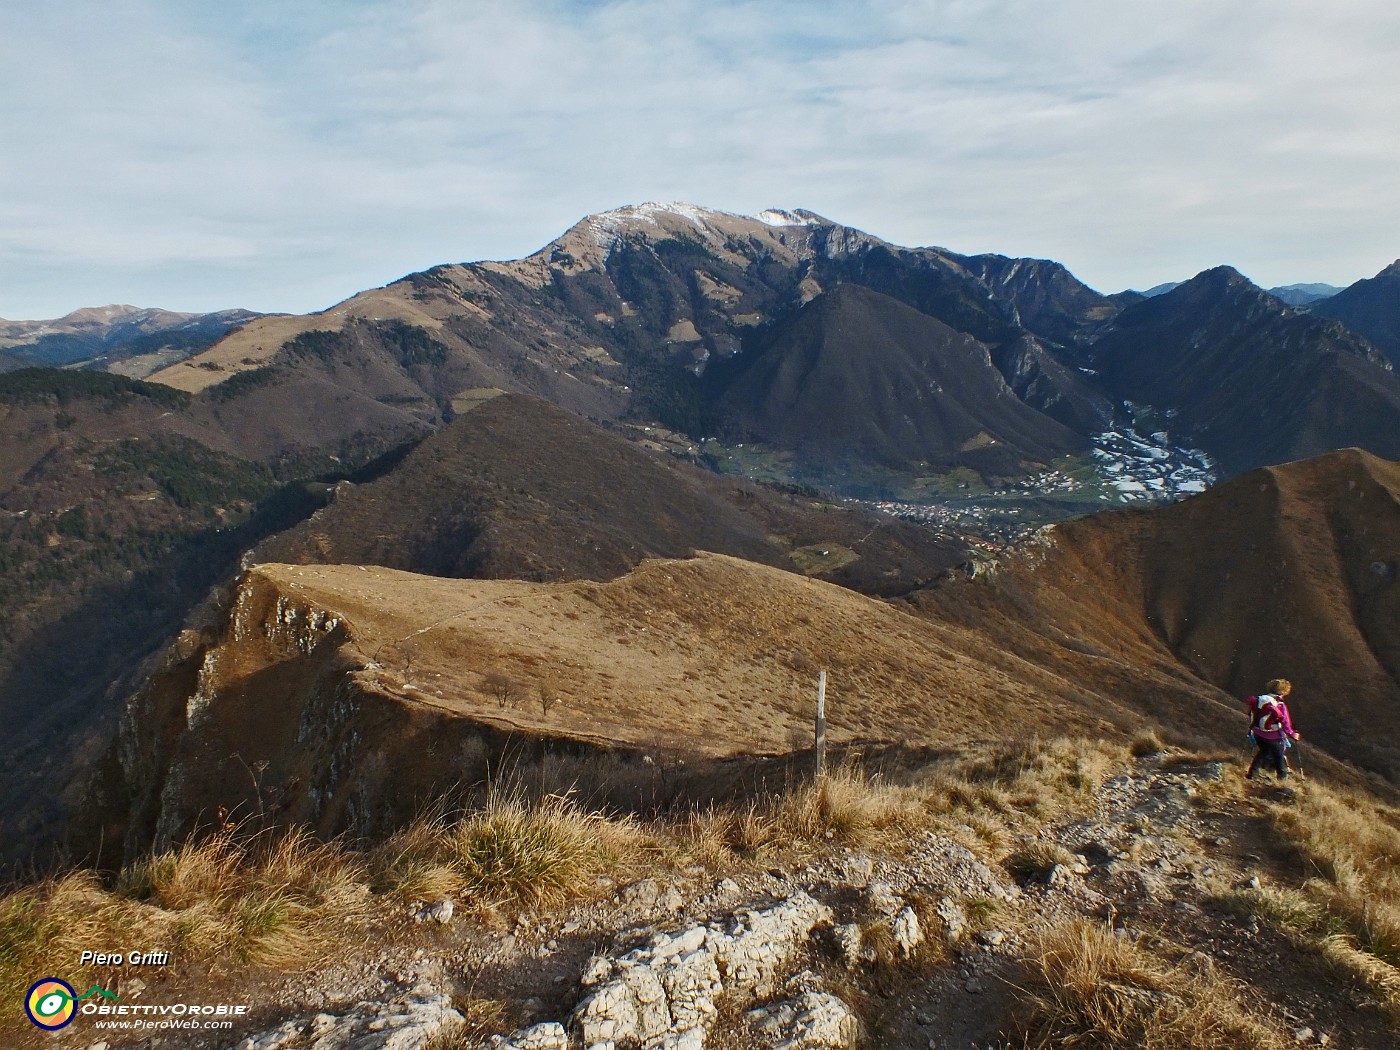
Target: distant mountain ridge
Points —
{"points": [[130, 340], [1252, 381], [1292, 294], [679, 315], [1372, 308]]}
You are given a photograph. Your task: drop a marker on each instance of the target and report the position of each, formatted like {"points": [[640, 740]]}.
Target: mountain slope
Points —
{"points": [[517, 488], [1247, 378], [857, 376], [1372, 308], [360, 692], [618, 318], [1288, 571], [627, 314]]}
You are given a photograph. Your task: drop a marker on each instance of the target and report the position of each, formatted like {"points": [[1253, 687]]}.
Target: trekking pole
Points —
{"points": [[1298, 756]]}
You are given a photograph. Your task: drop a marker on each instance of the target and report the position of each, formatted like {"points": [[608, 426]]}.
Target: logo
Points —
{"points": [[50, 1003]]}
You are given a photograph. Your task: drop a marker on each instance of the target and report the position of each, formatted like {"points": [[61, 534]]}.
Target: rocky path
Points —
{"points": [[925, 948]]}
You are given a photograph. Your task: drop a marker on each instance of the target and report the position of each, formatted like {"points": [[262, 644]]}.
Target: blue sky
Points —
{"points": [[284, 155]]}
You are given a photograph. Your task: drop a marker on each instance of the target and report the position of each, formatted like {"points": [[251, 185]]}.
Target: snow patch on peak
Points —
{"points": [[782, 217], [647, 213], [607, 227]]}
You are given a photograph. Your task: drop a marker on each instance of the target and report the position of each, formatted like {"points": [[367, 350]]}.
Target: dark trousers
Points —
{"points": [[1271, 754]]}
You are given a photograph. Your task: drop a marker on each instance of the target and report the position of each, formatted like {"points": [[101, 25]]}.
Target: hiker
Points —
{"points": [[1270, 727]]}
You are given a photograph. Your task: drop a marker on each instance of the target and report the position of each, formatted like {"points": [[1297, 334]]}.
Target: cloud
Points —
{"points": [[194, 157]]}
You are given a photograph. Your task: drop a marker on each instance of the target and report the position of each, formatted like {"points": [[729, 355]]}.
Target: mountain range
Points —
{"points": [[550, 421], [756, 330], [127, 340]]}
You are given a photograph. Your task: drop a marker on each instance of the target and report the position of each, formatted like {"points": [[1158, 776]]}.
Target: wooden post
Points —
{"points": [[820, 749]]}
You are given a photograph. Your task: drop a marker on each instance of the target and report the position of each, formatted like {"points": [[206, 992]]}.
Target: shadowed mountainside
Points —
{"points": [[1248, 379], [1372, 308], [517, 488], [858, 376]]}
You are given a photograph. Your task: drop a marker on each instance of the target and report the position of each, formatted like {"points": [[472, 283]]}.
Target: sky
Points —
{"points": [[281, 155]]}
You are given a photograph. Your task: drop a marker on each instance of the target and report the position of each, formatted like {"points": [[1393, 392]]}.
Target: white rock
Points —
{"points": [[408, 1025], [954, 919], [818, 1020], [439, 911], [882, 898], [849, 938], [663, 994], [908, 934], [858, 869], [547, 1036]]}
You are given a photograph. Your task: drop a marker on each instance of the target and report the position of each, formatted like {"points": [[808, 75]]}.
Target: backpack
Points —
{"points": [[1264, 714]]}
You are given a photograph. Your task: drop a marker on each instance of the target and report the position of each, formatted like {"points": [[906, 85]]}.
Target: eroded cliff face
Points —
{"points": [[275, 716]]}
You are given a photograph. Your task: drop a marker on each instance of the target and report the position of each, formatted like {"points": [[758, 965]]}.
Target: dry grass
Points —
{"points": [[987, 800], [289, 900], [409, 864], [1146, 743], [1092, 987], [513, 849], [1035, 860], [719, 834], [538, 853], [1042, 778], [1288, 908], [276, 901], [848, 806], [1353, 843]]}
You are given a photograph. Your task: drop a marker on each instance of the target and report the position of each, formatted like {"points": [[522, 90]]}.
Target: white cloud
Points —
{"points": [[158, 153]]}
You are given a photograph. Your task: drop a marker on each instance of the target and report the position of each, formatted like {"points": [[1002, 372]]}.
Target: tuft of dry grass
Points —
{"points": [[410, 864], [537, 852], [1048, 779], [1146, 743], [848, 807], [1288, 908], [845, 807], [1094, 987], [718, 834], [1034, 860]]}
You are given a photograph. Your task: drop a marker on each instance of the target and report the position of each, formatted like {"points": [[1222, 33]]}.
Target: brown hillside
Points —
{"points": [[519, 488], [344, 696], [1290, 571]]}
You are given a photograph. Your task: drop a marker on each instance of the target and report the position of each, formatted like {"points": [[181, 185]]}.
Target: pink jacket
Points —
{"points": [[1268, 718]]}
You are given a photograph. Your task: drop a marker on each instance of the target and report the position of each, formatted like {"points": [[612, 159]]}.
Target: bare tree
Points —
{"points": [[502, 686], [549, 699]]}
